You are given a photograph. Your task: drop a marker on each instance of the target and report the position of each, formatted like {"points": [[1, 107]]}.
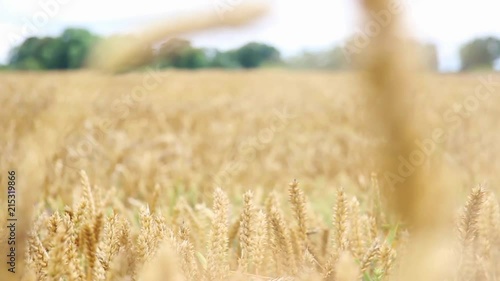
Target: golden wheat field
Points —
{"points": [[249, 175]]}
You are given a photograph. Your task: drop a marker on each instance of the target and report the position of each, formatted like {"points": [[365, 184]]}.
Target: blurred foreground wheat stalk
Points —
{"points": [[391, 73], [115, 54]]}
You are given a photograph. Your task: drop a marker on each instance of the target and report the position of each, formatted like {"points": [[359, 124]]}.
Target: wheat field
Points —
{"points": [[386, 173], [256, 175]]}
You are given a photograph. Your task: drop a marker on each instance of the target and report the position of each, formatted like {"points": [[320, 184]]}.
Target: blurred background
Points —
{"points": [[58, 34]]}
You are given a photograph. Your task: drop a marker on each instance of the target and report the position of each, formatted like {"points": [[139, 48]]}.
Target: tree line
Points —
{"points": [[71, 49]]}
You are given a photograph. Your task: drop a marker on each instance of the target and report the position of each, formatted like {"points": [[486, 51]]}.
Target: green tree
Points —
{"points": [[255, 54], [52, 54], [190, 58], [39, 53], [79, 43], [29, 63], [479, 53], [180, 53], [66, 51], [26, 54]]}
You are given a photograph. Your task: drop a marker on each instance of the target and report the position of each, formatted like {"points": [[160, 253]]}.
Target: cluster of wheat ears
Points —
{"points": [[145, 212], [259, 240]]}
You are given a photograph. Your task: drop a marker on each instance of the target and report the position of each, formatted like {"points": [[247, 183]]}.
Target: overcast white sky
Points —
{"points": [[293, 25]]}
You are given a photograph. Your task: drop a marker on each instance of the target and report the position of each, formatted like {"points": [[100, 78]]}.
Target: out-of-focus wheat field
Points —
{"points": [[197, 130], [97, 149]]}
